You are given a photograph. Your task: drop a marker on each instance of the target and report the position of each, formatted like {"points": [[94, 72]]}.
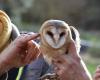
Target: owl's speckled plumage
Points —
{"points": [[55, 38]]}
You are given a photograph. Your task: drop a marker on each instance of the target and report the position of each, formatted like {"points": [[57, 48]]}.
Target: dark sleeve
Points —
{"points": [[4, 76], [34, 70]]}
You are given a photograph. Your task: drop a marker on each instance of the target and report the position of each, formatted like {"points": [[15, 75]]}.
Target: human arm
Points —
{"points": [[18, 53], [70, 66]]}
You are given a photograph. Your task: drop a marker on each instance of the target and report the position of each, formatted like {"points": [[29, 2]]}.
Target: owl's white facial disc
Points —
{"points": [[56, 37]]}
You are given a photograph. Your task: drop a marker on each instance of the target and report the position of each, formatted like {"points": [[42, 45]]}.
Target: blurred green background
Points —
{"points": [[28, 15]]}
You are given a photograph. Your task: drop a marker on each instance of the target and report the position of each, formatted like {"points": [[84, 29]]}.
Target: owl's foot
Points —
{"points": [[49, 76]]}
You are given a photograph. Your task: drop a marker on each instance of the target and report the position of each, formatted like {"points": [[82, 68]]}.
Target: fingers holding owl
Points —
{"points": [[70, 67], [60, 46], [97, 73]]}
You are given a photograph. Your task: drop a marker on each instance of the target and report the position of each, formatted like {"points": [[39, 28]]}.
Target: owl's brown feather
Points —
{"points": [[65, 34], [55, 36]]}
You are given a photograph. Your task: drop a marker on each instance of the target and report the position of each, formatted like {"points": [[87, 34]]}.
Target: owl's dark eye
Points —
{"points": [[62, 34], [50, 33]]}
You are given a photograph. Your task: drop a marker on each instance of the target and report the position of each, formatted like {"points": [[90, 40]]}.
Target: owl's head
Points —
{"points": [[55, 33]]}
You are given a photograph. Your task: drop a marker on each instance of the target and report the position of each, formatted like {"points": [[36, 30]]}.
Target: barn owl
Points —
{"points": [[55, 38]]}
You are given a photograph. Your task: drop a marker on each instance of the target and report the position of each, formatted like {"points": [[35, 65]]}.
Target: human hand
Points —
{"points": [[20, 52], [70, 66], [97, 74]]}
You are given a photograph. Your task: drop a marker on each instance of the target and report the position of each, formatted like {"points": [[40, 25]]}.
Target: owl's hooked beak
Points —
{"points": [[56, 38]]}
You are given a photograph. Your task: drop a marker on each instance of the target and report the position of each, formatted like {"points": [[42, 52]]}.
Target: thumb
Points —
{"points": [[72, 48], [30, 37]]}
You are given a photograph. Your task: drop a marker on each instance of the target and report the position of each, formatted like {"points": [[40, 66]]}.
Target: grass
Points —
{"points": [[91, 67], [90, 36], [92, 56], [91, 62]]}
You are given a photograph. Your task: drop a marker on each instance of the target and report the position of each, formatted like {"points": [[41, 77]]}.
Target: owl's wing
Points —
{"points": [[75, 37]]}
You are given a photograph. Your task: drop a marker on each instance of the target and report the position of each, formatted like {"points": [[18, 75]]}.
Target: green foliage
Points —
{"points": [[91, 67], [90, 36], [94, 41], [87, 36], [95, 52]]}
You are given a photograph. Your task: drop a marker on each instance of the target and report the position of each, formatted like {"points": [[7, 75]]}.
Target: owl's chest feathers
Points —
{"points": [[49, 52]]}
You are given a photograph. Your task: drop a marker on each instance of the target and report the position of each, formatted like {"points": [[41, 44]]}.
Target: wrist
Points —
{"points": [[84, 72], [83, 76], [4, 66]]}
